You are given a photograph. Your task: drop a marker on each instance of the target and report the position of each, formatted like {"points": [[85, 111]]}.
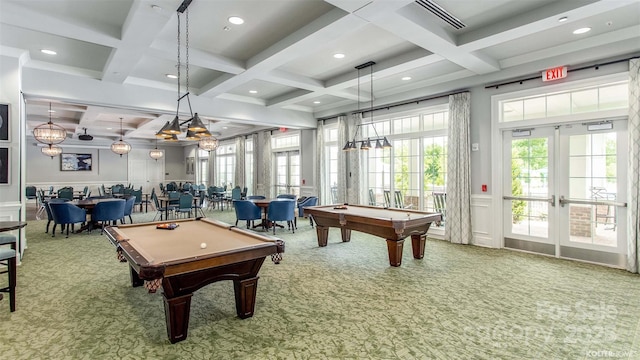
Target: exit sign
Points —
{"points": [[556, 73]]}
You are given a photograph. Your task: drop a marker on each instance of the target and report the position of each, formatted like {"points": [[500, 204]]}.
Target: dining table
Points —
{"points": [[264, 205], [88, 204]]}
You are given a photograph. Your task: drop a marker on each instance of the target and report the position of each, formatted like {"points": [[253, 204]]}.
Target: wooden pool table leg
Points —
{"points": [[417, 243], [395, 251], [176, 311], [346, 234], [245, 291], [323, 235]]}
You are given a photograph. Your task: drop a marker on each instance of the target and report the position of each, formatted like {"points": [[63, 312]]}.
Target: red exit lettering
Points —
{"points": [[554, 74]]}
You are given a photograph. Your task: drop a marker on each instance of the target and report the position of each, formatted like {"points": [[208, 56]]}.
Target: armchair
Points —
{"points": [[106, 211], [310, 201], [281, 210], [246, 210], [66, 214]]}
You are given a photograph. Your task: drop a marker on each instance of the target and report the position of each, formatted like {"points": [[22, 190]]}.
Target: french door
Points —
{"points": [[287, 172], [565, 191]]}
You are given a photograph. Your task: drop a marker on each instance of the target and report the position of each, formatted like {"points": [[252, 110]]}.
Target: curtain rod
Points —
{"points": [[401, 103], [585, 67]]}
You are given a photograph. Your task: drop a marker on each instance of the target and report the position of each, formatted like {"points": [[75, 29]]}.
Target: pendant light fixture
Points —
{"points": [[208, 143], [51, 150], [366, 144], [156, 154], [121, 147], [195, 126], [49, 133]]}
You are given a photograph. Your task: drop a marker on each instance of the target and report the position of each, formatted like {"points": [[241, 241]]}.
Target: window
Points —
{"points": [[286, 163], [589, 99], [408, 174], [226, 164], [248, 164], [203, 168], [332, 151]]}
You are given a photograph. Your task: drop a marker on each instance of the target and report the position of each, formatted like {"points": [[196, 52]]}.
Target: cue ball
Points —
{"points": [[203, 246]]}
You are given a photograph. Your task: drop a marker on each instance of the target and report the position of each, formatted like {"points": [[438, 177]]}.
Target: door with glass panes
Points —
{"points": [[287, 172], [565, 189]]}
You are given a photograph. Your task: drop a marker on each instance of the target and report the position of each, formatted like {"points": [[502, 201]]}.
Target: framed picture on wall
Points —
{"points": [[4, 166], [75, 162], [190, 165], [4, 122]]}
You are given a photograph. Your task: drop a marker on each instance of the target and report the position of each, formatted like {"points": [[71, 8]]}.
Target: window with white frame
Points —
{"points": [[594, 98], [225, 165], [286, 162], [331, 151], [203, 167], [408, 174], [248, 164]]}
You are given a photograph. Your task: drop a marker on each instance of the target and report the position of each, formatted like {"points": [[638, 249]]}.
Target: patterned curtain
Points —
{"points": [[266, 163], [458, 208], [633, 179], [320, 161], [353, 173], [239, 177], [343, 137]]}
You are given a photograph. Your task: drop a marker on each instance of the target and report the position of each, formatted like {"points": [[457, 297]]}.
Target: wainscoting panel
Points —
{"points": [[482, 220]]}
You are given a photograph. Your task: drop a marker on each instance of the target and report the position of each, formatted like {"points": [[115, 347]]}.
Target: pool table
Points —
{"points": [[392, 224], [176, 260]]}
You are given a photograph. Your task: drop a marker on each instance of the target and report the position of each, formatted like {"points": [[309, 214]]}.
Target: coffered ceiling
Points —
{"points": [[278, 69]]}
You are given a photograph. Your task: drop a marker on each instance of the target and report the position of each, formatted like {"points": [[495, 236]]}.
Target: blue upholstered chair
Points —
{"points": [[287, 196], [310, 201], [281, 210], [8, 258], [129, 203], [65, 193], [106, 211], [255, 197], [49, 214], [30, 192], [247, 210], [67, 215], [184, 204]]}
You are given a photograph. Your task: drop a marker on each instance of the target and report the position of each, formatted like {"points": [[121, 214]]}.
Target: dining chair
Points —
{"points": [[247, 210], [255, 197], [281, 210], [387, 198], [159, 210], [137, 194], [65, 193], [49, 214], [107, 211], [309, 201], [236, 194], [185, 202], [129, 203], [199, 205], [399, 200], [8, 258], [67, 215]]}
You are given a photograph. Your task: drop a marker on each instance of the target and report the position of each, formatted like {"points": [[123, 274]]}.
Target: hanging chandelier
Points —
{"points": [[121, 147], [156, 154], [368, 143], [196, 130], [51, 150], [49, 133]]}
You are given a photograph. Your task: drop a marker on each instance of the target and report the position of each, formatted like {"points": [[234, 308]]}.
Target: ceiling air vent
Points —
{"points": [[85, 136], [438, 11]]}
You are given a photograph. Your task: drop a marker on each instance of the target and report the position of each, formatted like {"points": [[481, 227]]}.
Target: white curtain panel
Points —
{"points": [[458, 208], [320, 162], [213, 176], [239, 176], [266, 163], [343, 137], [633, 186], [353, 172]]}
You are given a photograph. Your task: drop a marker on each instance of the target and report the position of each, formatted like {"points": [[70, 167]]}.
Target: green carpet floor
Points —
{"points": [[343, 301]]}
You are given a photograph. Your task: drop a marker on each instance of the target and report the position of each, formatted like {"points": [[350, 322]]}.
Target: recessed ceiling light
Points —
{"points": [[406, 78], [48, 52], [224, 128], [171, 76], [156, 8], [338, 56], [316, 102], [582, 30], [563, 19], [253, 91], [236, 20], [109, 128]]}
